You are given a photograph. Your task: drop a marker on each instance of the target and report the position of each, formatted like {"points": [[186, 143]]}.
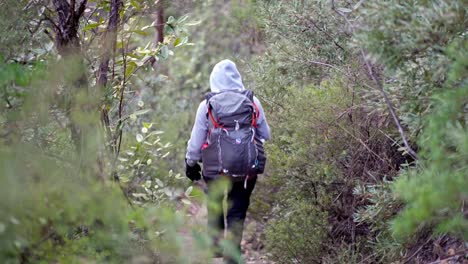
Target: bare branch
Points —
{"points": [[456, 257], [63, 9], [81, 8], [380, 88], [326, 34], [36, 27], [389, 106]]}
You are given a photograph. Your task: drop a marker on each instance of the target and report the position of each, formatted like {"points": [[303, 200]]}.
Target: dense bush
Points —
{"points": [[94, 124], [296, 233], [423, 48], [336, 143]]}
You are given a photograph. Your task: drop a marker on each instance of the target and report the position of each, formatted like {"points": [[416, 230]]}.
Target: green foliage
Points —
{"points": [[45, 211], [294, 236], [305, 40], [423, 46], [410, 39], [51, 200], [310, 173], [418, 51], [381, 208], [57, 201], [15, 37], [435, 192], [331, 192]]}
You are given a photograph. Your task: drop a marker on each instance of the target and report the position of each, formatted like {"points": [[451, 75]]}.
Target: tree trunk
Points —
{"points": [[66, 27], [109, 44], [159, 26], [68, 44]]}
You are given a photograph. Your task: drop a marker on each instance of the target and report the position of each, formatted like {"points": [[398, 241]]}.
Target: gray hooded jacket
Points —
{"points": [[224, 77]]}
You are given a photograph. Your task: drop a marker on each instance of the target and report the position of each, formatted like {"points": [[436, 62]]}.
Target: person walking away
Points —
{"points": [[227, 137]]}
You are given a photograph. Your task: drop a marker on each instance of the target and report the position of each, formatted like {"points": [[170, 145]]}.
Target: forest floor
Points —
{"points": [[252, 247]]}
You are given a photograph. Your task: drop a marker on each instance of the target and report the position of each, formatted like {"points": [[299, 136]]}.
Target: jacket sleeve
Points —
{"points": [[199, 133], [263, 130]]}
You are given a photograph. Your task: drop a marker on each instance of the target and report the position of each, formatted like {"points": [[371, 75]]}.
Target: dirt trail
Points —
{"points": [[252, 249]]}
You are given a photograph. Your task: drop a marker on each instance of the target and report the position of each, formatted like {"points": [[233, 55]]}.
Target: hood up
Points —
{"points": [[225, 77]]}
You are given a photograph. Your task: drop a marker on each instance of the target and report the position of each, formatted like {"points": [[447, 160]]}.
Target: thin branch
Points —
{"points": [[81, 9], [326, 34], [36, 27], [457, 256], [416, 252], [380, 88], [390, 107]]}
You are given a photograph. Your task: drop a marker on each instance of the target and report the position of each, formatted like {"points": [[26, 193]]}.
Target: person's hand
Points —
{"points": [[192, 170]]}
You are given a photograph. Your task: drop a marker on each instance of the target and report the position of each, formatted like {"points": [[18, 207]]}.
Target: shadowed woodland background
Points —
{"points": [[367, 102]]}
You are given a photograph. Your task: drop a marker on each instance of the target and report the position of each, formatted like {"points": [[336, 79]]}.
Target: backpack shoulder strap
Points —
{"points": [[256, 111], [249, 94], [209, 114], [209, 95]]}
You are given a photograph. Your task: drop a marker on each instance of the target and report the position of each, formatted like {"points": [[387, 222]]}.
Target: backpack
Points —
{"points": [[232, 148]]}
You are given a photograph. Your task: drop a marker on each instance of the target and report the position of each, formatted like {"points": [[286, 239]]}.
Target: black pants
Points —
{"points": [[238, 202]]}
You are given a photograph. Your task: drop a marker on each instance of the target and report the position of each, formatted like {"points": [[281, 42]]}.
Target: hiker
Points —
{"points": [[227, 137]]}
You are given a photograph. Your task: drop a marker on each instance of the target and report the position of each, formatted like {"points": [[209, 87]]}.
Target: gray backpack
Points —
{"points": [[232, 147]]}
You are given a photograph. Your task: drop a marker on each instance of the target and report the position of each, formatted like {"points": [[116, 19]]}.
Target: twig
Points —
{"points": [[416, 252], [390, 107], [382, 91], [455, 257], [327, 34]]}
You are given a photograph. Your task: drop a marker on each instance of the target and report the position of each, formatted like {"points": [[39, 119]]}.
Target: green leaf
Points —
{"points": [[194, 23], [141, 112], [137, 31], [164, 53], [182, 19], [147, 125], [91, 26], [180, 42], [159, 182], [189, 191], [344, 10], [177, 42], [149, 26], [134, 115], [186, 201], [139, 137], [131, 66], [135, 4], [170, 20]]}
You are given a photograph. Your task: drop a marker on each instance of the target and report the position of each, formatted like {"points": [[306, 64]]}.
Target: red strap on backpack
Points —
{"points": [[216, 124], [255, 115]]}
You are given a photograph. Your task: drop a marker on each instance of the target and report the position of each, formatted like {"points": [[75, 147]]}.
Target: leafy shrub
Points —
{"points": [[422, 46], [296, 234], [435, 192]]}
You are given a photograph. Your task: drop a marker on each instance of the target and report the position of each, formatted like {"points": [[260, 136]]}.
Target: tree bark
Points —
{"points": [[109, 45], [68, 44], [109, 42], [66, 27], [159, 26]]}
